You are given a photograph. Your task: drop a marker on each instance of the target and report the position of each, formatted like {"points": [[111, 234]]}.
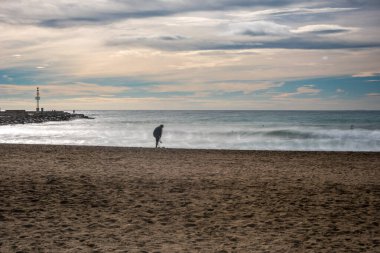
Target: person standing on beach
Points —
{"points": [[157, 133]]}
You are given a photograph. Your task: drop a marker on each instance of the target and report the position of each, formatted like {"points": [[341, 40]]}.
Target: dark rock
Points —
{"points": [[12, 118]]}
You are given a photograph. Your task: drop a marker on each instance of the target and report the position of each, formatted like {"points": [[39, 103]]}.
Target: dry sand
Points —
{"points": [[102, 199]]}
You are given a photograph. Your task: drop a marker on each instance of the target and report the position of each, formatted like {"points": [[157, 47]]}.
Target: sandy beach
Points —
{"points": [[105, 199]]}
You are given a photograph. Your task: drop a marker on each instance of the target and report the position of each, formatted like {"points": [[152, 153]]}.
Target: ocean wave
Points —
{"points": [[134, 129], [280, 133]]}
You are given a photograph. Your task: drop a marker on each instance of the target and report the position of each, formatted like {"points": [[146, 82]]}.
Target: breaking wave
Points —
{"points": [[240, 130]]}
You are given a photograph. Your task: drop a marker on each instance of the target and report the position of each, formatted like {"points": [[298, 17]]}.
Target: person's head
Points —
{"points": [[162, 126]]}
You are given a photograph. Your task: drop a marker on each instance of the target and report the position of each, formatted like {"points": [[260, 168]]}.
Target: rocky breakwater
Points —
{"points": [[25, 117]]}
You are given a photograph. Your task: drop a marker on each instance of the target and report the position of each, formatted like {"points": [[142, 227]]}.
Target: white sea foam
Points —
{"points": [[219, 130]]}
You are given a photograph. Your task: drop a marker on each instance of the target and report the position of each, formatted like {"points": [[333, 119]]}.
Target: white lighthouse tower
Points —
{"points": [[38, 99]]}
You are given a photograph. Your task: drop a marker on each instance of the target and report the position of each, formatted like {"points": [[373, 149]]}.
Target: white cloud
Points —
{"points": [[61, 90], [259, 28], [202, 89], [8, 78], [306, 89], [60, 36], [275, 12], [373, 94], [323, 29], [367, 74]]}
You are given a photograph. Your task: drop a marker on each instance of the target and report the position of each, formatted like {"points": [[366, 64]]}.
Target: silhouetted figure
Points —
{"points": [[157, 133]]}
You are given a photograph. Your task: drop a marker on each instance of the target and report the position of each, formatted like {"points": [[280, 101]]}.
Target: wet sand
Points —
{"points": [[103, 199]]}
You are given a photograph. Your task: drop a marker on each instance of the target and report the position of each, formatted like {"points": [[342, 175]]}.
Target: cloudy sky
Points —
{"points": [[182, 54]]}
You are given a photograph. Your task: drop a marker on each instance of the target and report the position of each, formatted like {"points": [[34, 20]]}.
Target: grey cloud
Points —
{"points": [[101, 18], [357, 3], [259, 28], [298, 11], [288, 43], [331, 31], [254, 33], [294, 43], [67, 22], [61, 13], [172, 37]]}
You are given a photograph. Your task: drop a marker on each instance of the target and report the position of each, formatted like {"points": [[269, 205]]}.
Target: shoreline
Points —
{"points": [[188, 149], [60, 198]]}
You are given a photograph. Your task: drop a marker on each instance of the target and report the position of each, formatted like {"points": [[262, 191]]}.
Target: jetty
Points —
{"points": [[13, 117]]}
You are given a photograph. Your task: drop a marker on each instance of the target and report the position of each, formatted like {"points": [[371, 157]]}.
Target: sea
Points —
{"points": [[243, 130]]}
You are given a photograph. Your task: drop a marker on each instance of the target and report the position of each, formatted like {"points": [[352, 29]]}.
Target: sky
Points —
{"points": [[193, 55]]}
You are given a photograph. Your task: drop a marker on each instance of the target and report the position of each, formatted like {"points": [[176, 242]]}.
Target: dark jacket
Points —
{"points": [[157, 133]]}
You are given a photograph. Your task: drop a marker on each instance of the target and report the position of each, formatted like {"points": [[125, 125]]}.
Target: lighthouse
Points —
{"points": [[38, 100]]}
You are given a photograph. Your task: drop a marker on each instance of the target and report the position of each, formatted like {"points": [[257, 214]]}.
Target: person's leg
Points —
{"points": [[157, 140]]}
